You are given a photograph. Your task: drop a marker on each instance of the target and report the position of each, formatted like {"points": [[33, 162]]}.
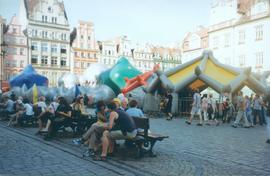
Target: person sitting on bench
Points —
{"points": [[94, 133], [6, 108], [62, 116], [126, 125], [80, 115], [27, 113]]}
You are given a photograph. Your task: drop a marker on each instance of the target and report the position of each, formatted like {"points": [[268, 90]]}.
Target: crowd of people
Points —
{"points": [[243, 110], [115, 119]]}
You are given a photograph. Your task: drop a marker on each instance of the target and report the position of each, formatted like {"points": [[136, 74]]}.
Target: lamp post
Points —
{"points": [[2, 54]]}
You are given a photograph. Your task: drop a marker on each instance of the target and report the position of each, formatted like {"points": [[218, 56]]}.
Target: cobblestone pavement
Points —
{"points": [[189, 150]]}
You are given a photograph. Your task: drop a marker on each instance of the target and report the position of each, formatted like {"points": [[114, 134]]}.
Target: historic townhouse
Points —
{"points": [[47, 29], [194, 43], [239, 33], [16, 56], [166, 57], [84, 50], [112, 50]]}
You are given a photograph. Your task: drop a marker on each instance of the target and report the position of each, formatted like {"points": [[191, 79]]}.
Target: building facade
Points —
{"points": [[166, 57], [239, 33], [84, 50], [48, 35], [16, 57], [194, 43], [143, 57], [112, 50], [2, 51]]}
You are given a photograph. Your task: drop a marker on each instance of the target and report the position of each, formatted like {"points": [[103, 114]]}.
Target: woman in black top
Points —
{"points": [[62, 115]]}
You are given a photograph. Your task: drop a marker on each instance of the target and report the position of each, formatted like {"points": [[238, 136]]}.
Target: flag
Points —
{"points": [[35, 94]]}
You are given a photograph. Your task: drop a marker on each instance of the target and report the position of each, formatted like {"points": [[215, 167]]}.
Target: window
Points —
{"points": [[227, 40], [242, 60], [50, 10], [82, 64], [215, 42], [82, 54], [34, 32], [81, 36], [88, 64], [34, 46], [63, 49], [259, 59], [34, 59], [63, 61], [44, 34], [54, 61], [89, 38], [54, 20], [21, 51], [44, 60], [241, 37], [76, 54], [12, 51], [259, 32], [44, 18], [53, 35], [89, 55], [63, 36], [54, 49], [44, 47], [14, 30], [21, 63]]}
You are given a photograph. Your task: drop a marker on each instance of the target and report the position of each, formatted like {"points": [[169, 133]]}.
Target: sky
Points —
{"points": [[160, 22]]}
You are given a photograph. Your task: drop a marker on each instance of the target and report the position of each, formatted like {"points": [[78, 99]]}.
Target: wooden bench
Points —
{"points": [[145, 141]]}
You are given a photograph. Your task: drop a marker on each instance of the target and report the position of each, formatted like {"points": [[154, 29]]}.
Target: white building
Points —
{"points": [[194, 44], [48, 37], [239, 33], [143, 57], [112, 50]]}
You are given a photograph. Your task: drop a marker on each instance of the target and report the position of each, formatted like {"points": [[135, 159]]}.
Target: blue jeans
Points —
{"points": [[249, 117]]}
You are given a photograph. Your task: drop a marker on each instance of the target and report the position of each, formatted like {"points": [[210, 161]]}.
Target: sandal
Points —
{"points": [[100, 158]]}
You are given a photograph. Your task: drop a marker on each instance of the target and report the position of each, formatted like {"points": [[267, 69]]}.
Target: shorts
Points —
{"points": [[118, 135], [195, 110]]}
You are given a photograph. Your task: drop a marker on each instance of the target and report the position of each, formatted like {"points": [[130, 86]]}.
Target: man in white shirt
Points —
{"points": [[196, 108]]}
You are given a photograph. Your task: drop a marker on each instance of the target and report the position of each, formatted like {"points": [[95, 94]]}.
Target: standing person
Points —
{"points": [[168, 107], [204, 108], [240, 106], [257, 106], [225, 108], [196, 108], [249, 111], [268, 121], [212, 109], [264, 108]]}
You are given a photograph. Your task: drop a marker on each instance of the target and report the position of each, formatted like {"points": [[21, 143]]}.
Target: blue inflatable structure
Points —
{"points": [[29, 77]]}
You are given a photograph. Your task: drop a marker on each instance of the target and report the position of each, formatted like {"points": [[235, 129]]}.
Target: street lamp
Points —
{"points": [[2, 54]]}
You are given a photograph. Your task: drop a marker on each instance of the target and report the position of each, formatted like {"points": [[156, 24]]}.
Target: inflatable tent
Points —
{"points": [[205, 71], [29, 77]]}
